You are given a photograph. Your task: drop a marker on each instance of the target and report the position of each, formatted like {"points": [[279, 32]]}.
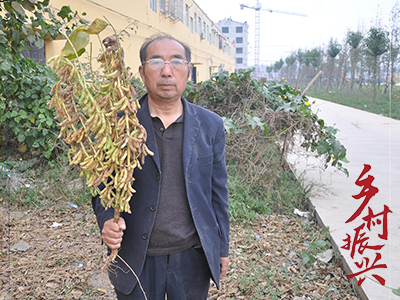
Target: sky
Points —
{"points": [[281, 34]]}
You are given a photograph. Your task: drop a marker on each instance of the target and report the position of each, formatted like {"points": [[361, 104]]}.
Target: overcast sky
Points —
{"points": [[281, 34]]}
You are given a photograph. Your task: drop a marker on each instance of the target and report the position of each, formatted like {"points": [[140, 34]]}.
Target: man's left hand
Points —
{"points": [[224, 262]]}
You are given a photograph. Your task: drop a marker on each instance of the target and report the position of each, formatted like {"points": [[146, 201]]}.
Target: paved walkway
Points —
{"points": [[372, 140]]}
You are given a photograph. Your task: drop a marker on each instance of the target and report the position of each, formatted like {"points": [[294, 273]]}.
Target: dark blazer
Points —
{"points": [[206, 186]]}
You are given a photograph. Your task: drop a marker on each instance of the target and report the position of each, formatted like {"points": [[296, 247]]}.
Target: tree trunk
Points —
{"points": [[374, 73]]}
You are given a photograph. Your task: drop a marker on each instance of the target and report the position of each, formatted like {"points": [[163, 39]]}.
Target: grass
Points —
{"points": [[385, 105]]}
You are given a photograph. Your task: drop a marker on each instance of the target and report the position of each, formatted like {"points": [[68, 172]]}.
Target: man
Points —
{"points": [[176, 237]]}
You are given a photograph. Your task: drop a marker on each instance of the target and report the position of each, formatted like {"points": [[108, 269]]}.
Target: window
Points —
{"points": [[38, 55], [191, 25], [199, 25], [180, 10], [153, 5], [187, 15], [225, 29], [162, 6], [195, 22], [239, 60], [172, 9], [239, 50], [239, 29], [239, 40]]}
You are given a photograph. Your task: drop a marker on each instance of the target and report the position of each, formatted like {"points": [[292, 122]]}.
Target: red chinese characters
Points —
{"points": [[360, 241]]}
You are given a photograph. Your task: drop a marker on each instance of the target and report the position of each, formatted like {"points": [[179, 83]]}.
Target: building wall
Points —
{"points": [[183, 19], [238, 34]]}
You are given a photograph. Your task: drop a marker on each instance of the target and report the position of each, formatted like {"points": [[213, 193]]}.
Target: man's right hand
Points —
{"points": [[112, 233]]}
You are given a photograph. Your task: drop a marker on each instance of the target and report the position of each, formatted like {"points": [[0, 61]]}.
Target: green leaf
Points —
{"points": [[78, 40], [39, 43], [5, 66], [319, 243], [21, 137], [80, 52], [28, 4], [254, 122], [64, 12], [266, 129], [17, 7], [229, 125], [396, 292]]}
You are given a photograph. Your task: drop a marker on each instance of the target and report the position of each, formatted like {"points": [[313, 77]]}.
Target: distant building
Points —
{"points": [[238, 34], [183, 19]]}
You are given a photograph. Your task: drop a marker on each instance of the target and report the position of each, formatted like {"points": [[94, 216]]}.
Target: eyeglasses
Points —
{"points": [[158, 63]]}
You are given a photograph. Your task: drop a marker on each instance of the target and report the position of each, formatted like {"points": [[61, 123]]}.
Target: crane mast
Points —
{"points": [[257, 10]]}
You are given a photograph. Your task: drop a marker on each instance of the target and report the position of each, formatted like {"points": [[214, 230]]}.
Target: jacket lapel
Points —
{"points": [[145, 120], [190, 130]]}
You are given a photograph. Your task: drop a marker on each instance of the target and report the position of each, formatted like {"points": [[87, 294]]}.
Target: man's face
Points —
{"points": [[165, 84]]}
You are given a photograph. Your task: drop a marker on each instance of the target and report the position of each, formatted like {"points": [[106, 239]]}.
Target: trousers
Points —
{"points": [[180, 276]]}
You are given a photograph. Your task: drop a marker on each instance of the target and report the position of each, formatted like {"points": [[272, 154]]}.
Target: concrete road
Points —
{"points": [[370, 140]]}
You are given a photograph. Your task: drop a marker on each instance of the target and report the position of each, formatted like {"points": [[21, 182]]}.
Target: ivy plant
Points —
{"points": [[25, 92], [25, 85]]}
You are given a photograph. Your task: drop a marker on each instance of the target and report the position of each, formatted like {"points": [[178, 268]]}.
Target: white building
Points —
{"points": [[238, 34]]}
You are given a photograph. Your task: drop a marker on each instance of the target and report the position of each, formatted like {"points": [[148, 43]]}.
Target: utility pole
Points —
{"points": [[257, 9]]}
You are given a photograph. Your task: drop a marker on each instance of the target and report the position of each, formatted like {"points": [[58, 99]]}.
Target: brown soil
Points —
{"points": [[65, 261]]}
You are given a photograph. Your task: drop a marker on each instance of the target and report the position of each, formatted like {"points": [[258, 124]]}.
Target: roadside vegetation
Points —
{"points": [[360, 71]]}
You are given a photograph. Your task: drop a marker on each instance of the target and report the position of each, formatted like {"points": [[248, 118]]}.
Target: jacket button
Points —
{"points": [[144, 236], [153, 208], [157, 177]]}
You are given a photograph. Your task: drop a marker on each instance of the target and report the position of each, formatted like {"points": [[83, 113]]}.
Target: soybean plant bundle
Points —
{"points": [[99, 124]]}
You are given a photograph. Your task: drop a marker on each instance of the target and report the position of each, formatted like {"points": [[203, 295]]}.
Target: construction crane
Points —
{"points": [[257, 9]]}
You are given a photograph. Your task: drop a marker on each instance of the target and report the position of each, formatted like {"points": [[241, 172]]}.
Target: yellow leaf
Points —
{"points": [[22, 147], [96, 27], [32, 120]]}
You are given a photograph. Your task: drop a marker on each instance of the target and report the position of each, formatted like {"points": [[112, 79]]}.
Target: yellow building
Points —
{"points": [[183, 19]]}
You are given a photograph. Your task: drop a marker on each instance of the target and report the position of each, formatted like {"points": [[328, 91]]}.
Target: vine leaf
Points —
{"points": [[396, 292]]}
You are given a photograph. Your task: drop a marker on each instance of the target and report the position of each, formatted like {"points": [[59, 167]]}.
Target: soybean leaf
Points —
{"points": [[78, 40]]}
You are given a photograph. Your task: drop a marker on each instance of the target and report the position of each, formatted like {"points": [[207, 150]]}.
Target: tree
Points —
{"points": [[278, 65], [377, 43], [301, 60], [354, 39], [312, 58], [333, 50], [290, 61]]}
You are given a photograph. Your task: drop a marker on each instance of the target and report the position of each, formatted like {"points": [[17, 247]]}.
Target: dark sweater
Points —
{"points": [[174, 230]]}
